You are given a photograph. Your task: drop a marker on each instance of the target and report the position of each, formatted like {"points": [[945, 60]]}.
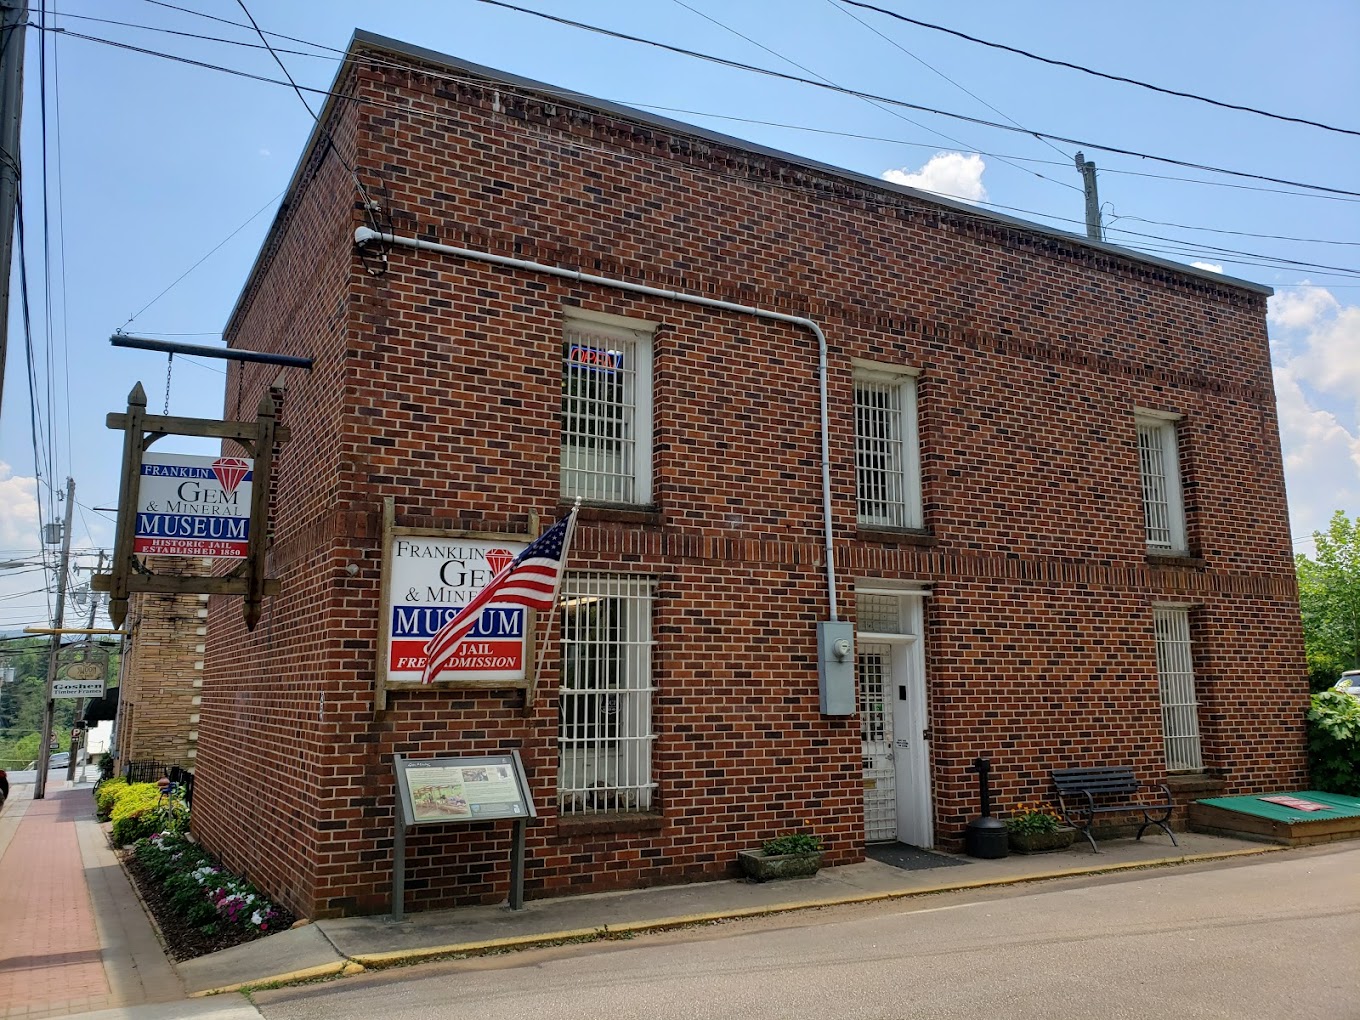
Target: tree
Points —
{"points": [[1329, 599]]}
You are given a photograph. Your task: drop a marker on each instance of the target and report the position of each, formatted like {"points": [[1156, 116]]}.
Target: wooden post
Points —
{"points": [[128, 486], [261, 484]]}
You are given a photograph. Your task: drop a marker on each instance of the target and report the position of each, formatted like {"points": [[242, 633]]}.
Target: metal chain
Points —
{"points": [[169, 366]]}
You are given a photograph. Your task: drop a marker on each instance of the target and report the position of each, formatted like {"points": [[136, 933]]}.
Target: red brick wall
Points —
{"points": [[438, 385]]}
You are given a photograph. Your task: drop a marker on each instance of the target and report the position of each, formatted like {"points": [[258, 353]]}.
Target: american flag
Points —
{"points": [[531, 579]]}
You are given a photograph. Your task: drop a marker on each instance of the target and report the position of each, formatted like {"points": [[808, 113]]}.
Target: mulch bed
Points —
{"points": [[182, 940]]}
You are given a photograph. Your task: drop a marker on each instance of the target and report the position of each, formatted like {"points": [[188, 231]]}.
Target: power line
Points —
{"points": [[1208, 168], [1102, 74], [878, 106], [738, 65]]}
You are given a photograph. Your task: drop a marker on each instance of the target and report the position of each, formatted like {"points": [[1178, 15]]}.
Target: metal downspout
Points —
{"points": [[367, 235]]}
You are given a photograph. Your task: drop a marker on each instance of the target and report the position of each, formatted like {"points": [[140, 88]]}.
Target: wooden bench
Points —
{"points": [[1085, 793]]}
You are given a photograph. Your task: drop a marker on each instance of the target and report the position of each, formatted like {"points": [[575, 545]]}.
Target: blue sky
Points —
{"points": [[152, 164]]}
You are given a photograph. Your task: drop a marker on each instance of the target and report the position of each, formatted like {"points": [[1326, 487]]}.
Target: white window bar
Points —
{"points": [[1159, 468], [1180, 709], [605, 701], [886, 472], [599, 415], [876, 734]]}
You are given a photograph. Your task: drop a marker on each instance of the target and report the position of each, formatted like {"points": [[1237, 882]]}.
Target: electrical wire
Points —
{"points": [[1067, 156], [1102, 74], [738, 65], [1207, 168], [876, 105], [253, 217]]}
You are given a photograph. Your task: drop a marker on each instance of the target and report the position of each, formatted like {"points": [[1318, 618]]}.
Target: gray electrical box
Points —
{"points": [[836, 667]]}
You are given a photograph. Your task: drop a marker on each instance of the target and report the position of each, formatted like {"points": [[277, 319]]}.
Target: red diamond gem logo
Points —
{"points": [[499, 559], [229, 472]]}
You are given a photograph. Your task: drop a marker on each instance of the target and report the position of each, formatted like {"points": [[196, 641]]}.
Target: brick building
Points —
{"points": [[162, 673], [1047, 471]]}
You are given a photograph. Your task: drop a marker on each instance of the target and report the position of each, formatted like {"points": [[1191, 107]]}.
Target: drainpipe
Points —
{"points": [[366, 235]]}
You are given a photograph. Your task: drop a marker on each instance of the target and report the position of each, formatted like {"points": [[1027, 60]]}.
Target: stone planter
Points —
{"points": [[1041, 842], [758, 865]]}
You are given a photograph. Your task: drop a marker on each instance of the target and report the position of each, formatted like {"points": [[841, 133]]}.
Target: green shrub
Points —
{"points": [[106, 793], [792, 843], [1334, 743], [134, 813]]}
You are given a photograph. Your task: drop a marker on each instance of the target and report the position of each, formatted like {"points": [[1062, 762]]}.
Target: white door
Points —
{"points": [[894, 721]]}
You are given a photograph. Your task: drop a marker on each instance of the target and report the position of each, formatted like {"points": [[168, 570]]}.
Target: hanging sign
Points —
{"points": [[430, 580], [77, 688], [193, 506]]}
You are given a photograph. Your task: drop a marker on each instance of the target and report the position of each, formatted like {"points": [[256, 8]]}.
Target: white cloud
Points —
{"points": [[265, 152], [18, 510], [1208, 267], [1316, 352], [951, 174], [1300, 308]]}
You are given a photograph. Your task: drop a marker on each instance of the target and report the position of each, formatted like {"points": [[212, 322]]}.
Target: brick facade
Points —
{"points": [[437, 383], [162, 679]]}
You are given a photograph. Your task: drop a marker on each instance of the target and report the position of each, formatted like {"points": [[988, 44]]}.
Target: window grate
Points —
{"points": [[605, 701], [600, 423], [887, 487], [1160, 472], [1176, 672]]}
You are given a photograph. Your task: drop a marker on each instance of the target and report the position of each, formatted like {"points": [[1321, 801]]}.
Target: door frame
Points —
{"points": [[915, 800]]}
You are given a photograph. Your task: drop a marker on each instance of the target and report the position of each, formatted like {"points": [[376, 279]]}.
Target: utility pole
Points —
{"points": [[80, 702], [13, 16], [1088, 186], [44, 755]]}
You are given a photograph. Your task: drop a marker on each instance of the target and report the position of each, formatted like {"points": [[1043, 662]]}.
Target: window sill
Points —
{"points": [[902, 536], [594, 825], [616, 514], [1174, 559]]}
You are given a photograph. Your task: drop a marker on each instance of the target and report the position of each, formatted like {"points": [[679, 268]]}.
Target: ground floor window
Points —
{"points": [[1176, 672], [604, 726]]}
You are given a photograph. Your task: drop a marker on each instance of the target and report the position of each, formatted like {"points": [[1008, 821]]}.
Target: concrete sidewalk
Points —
{"points": [[349, 945], [76, 938]]}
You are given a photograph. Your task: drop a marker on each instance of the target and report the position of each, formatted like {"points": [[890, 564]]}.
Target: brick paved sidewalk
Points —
{"points": [[73, 937]]}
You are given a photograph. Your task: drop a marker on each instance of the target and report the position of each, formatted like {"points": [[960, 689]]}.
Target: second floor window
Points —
{"points": [[1159, 468], [887, 465], [606, 413]]}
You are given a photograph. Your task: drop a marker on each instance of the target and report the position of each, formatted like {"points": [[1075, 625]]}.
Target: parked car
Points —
{"points": [[1349, 683], [62, 759], [4, 786]]}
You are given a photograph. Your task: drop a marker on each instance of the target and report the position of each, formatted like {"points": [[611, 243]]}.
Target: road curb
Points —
{"points": [[378, 961]]}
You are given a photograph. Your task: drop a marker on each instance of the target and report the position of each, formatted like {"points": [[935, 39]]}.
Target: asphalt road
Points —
{"points": [[1273, 938]]}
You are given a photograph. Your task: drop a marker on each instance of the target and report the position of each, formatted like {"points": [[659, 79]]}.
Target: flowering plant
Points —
{"points": [[200, 890], [1029, 819]]}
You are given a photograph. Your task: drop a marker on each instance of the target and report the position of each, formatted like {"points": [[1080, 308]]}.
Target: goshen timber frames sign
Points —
{"points": [[190, 507], [428, 576]]}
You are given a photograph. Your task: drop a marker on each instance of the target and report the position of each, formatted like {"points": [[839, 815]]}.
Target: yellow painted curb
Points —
{"points": [[602, 932], [307, 974]]}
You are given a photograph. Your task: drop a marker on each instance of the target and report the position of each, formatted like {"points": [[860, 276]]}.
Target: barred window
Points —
{"points": [[604, 728], [1176, 672], [1159, 468], [887, 470], [606, 413]]}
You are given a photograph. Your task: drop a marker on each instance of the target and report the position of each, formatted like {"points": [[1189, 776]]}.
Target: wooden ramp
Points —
{"points": [[1292, 819]]}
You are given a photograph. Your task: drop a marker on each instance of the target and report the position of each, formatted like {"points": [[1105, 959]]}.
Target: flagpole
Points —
{"points": [[557, 588]]}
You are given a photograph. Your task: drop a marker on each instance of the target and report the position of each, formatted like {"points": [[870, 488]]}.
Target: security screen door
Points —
{"points": [[897, 802]]}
